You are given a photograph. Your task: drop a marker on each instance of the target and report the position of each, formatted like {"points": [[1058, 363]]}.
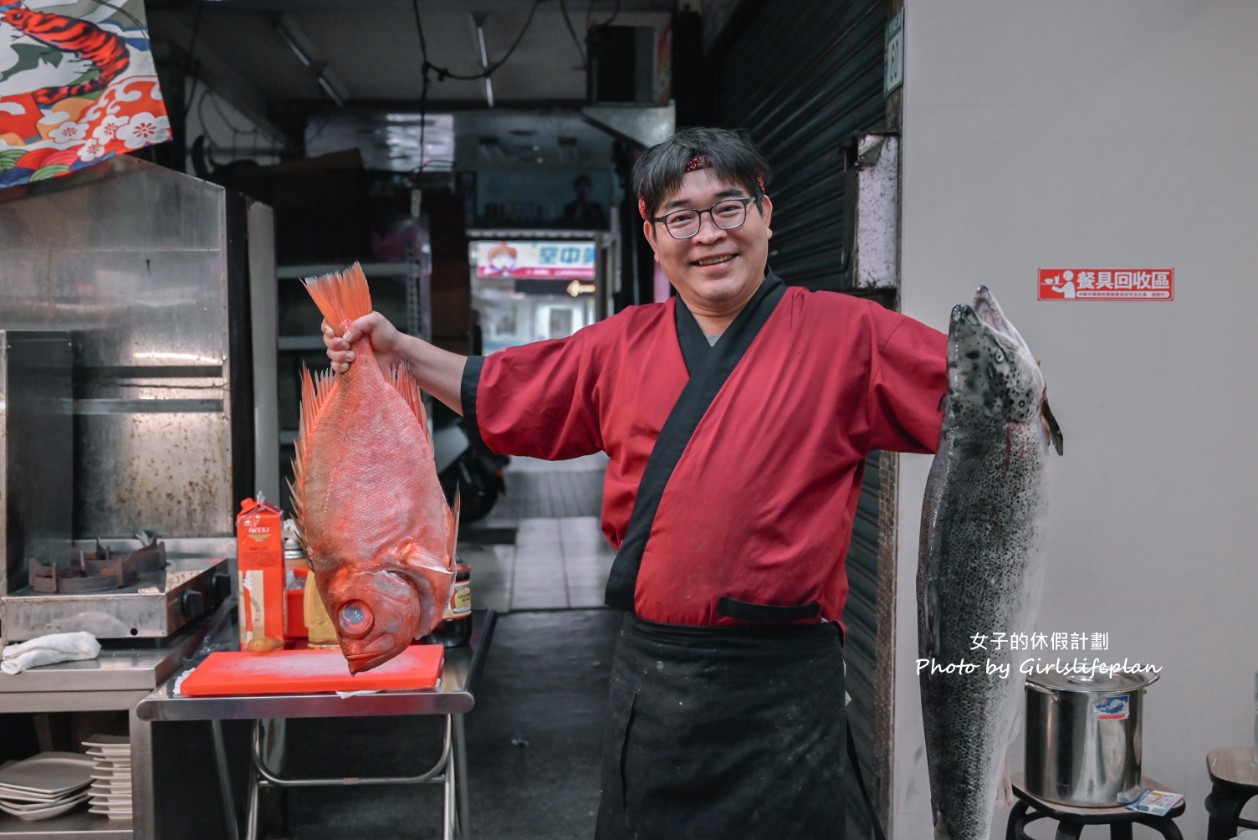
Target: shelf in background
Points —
{"points": [[77, 824], [300, 342], [371, 269]]}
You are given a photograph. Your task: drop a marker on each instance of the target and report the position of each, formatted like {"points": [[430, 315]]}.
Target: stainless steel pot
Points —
{"points": [[1083, 737]]}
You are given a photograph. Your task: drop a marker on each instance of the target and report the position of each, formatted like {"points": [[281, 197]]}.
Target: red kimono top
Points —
{"points": [[760, 505]]}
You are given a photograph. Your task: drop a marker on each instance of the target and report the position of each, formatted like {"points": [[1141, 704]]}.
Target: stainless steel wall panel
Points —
{"points": [[162, 471], [264, 307], [36, 451], [148, 308], [137, 260], [125, 203]]}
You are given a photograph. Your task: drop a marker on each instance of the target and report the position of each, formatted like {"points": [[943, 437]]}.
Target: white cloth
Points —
{"points": [[47, 650]]}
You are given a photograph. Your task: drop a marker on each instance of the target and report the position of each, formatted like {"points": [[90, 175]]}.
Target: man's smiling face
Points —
{"points": [[716, 271]]}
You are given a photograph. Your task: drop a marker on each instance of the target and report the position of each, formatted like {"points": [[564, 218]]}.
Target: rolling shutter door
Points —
{"points": [[803, 82]]}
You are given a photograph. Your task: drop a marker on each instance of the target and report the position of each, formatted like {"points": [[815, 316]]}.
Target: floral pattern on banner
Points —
{"points": [[74, 90]]}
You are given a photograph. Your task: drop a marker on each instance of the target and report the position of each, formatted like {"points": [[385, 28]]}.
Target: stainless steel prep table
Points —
{"points": [[119, 678], [452, 698]]}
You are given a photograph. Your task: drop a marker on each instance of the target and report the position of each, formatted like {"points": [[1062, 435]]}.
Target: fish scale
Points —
{"points": [[373, 517], [981, 561]]}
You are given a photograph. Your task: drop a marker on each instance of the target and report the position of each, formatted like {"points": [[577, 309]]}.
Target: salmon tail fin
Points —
{"points": [[316, 391], [454, 525], [342, 297], [404, 383]]}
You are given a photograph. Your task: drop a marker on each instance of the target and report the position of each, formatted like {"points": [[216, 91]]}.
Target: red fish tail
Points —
{"points": [[341, 297]]}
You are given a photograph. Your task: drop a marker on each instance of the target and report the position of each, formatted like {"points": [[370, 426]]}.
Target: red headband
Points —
{"points": [[696, 163]]}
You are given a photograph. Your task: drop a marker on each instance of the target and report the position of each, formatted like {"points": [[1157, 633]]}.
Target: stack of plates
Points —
{"points": [[110, 775], [44, 785]]}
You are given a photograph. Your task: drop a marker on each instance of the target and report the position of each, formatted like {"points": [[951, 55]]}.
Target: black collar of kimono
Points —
{"points": [[695, 347], [709, 366]]}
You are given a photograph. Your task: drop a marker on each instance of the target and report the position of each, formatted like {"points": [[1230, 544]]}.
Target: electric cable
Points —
{"points": [[563, 10], [423, 90], [615, 13], [190, 66], [444, 73]]}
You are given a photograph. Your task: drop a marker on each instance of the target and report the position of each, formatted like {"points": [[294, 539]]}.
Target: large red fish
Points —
{"points": [[378, 533]]}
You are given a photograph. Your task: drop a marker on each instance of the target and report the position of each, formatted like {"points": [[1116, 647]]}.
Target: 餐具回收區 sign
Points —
{"points": [[1106, 284]]}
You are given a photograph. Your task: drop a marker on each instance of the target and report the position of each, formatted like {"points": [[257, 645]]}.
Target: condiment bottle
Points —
{"points": [[455, 628]]}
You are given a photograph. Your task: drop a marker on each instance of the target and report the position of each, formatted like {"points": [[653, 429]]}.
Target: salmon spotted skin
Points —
{"points": [[378, 534], [980, 566]]}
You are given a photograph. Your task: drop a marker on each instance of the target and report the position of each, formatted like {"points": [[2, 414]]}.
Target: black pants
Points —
{"points": [[724, 733]]}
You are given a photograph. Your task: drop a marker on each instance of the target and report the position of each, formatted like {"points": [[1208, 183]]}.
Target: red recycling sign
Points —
{"points": [[1106, 284]]}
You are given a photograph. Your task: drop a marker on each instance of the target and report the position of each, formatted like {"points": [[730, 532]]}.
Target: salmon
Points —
{"points": [[378, 533], [981, 563]]}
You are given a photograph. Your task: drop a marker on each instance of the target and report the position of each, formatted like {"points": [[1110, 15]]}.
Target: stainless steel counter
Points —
{"points": [[118, 679], [452, 698]]}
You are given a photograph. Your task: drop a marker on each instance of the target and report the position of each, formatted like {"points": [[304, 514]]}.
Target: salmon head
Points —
{"points": [[992, 374]]}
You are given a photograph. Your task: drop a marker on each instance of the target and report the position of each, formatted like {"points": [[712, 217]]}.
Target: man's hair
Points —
{"points": [[729, 154]]}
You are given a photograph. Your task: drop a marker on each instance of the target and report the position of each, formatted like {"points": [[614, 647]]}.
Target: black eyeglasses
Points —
{"points": [[727, 214]]}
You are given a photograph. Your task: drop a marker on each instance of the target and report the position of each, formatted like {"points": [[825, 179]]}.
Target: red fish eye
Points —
{"points": [[355, 619]]}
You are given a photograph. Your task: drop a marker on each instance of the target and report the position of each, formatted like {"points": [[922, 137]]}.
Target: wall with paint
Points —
{"points": [[1119, 134]]}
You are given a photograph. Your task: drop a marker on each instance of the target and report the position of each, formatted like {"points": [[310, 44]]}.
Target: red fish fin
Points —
{"points": [[316, 391], [402, 381], [341, 297], [454, 525]]}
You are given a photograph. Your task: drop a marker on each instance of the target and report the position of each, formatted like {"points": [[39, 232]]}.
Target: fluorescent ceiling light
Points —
{"points": [[296, 40], [479, 19]]}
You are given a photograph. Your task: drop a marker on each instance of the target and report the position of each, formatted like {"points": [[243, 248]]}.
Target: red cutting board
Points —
{"points": [[309, 671]]}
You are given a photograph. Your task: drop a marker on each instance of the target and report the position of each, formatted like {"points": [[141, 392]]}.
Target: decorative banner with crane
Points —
{"points": [[77, 86]]}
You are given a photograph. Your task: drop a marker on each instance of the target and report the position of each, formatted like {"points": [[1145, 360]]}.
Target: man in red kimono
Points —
{"points": [[737, 417]]}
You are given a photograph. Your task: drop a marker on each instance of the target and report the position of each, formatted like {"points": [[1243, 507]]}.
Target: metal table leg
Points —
{"points": [[461, 790], [447, 770], [224, 781]]}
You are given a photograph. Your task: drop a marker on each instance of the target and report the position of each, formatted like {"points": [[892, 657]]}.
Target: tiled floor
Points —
{"points": [[555, 562]]}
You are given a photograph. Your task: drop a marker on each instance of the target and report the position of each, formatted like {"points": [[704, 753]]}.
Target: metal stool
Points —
{"points": [[1071, 819], [1235, 778]]}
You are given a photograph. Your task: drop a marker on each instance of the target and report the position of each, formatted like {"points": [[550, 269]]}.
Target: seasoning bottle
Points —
{"points": [[455, 628], [320, 634]]}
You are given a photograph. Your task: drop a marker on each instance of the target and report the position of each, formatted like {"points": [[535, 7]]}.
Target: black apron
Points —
{"points": [[724, 733], [718, 732]]}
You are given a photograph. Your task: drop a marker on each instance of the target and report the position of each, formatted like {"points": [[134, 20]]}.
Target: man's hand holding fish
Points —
{"points": [[436, 371]]}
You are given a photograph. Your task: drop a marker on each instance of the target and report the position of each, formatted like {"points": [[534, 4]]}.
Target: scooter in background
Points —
{"points": [[466, 464]]}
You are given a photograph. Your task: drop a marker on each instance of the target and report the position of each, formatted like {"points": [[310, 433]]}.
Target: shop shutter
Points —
{"points": [[803, 82], [870, 644]]}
